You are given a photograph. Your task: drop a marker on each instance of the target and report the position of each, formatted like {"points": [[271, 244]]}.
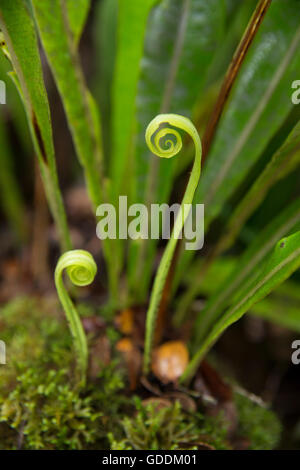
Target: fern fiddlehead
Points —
{"points": [[172, 145], [81, 269]]}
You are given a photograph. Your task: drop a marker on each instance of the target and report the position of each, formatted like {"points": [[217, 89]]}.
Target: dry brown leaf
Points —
{"points": [[93, 324], [187, 403], [133, 359], [158, 403], [100, 355], [124, 321], [170, 361]]}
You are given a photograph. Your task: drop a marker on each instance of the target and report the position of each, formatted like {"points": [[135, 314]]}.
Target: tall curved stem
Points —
{"points": [[81, 269], [154, 135]]}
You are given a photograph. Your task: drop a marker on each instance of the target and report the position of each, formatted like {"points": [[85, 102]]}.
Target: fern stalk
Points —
{"points": [[81, 269], [153, 139]]}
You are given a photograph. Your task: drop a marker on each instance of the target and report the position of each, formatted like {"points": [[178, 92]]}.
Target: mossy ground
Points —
{"points": [[42, 406]]}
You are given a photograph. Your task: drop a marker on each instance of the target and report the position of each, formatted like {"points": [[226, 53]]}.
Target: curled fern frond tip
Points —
{"points": [[165, 141], [81, 269], [79, 265]]}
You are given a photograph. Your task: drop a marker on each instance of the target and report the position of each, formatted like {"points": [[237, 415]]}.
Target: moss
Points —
{"points": [[257, 423], [48, 412], [42, 406], [32, 330], [169, 428]]}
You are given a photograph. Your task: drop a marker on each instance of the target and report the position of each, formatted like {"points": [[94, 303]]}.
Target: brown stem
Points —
{"points": [[210, 131], [232, 73]]}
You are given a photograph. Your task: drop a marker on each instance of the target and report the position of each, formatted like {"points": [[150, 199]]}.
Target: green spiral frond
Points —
{"points": [[81, 269], [165, 141]]}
